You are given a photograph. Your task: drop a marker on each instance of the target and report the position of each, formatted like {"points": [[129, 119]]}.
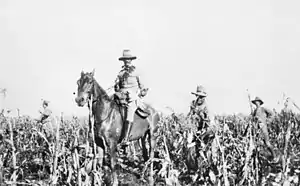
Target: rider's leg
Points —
{"points": [[130, 116]]}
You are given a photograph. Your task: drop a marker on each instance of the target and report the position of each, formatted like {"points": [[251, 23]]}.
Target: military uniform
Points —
{"points": [[199, 109], [46, 113], [203, 119], [128, 82], [260, 115], [48, 126]]}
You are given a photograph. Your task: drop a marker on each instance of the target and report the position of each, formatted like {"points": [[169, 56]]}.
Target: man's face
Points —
{"points": [[200, 99], [127, 62], [257, 103]]}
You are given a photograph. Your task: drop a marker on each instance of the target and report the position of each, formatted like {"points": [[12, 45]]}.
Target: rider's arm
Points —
{"points": [[138, 73], [141, 85], [143, 90], [117, 83]]}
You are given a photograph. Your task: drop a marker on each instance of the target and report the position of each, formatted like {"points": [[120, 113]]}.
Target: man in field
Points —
{"points": [[260, 115], [206, 128], [128, 83], [45, 113], [199, 109]]}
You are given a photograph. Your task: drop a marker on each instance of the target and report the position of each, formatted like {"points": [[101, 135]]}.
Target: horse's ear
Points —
{"points": [[82, 73], [93, 72]]}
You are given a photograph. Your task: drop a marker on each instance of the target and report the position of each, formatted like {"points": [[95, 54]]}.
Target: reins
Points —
{"points": [[96, 101]]}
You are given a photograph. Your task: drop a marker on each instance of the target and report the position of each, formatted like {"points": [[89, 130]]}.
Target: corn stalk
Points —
{"points": [[225, 174], [76, 159], [285, 159], [91, 129], [56, 151], [13, 149], [1, 170]]}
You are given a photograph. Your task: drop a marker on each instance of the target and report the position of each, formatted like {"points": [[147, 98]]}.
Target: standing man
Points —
{"points": [[260, 116], [199, 109], [128, 83], [45, 113], [206, 128]]}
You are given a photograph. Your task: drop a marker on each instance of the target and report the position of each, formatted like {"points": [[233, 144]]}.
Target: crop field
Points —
{"points": [[32, 154]]}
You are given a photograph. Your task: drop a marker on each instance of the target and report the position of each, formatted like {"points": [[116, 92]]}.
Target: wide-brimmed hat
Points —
{"points": [[127, 55], [45, 102], [200, 91], [257, 99]]}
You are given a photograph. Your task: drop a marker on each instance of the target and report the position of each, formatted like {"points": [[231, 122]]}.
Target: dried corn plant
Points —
{"points": [[34, 156]]}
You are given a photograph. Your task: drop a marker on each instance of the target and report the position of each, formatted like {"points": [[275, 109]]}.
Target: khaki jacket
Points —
{"points": [[203, 111], [261, 114], [45, 115], [128, 78]]}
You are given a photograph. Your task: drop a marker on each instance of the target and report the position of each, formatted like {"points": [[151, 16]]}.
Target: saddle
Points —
{"points": [[122, 101], [142, 111]]}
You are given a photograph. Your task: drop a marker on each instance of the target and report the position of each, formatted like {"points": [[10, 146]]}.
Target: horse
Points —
{"points": [[109, 121]]}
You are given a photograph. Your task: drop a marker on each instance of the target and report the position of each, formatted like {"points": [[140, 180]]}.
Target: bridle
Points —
{"points": [[96, 99]]}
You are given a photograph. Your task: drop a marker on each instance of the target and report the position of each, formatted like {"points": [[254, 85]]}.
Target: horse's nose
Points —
{"points": [[78, 99]]}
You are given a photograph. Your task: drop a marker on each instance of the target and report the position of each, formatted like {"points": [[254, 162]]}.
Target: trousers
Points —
{"points": [[133, 100], [264, 129]]}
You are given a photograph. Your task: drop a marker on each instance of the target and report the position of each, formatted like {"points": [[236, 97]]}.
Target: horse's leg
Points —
{"points": [[113, 160], [101, 148], [153, 122], [144, 147]]}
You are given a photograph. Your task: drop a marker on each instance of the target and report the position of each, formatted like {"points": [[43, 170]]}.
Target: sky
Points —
{"points": [[226, 46]]}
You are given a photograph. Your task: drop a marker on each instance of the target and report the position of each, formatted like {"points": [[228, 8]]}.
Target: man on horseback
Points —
{"points": [[128, 85], [260, 115]]}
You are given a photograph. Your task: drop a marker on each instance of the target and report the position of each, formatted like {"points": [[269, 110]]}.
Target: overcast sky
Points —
{"points": [[227, 46]]}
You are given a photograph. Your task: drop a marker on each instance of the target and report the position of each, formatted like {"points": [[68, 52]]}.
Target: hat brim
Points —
{"points": [[123, 58], [46, 102], [261, 102], [199, 94]]}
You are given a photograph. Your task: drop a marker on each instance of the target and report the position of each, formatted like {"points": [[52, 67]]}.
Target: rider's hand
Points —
{"points": [[143, 92]]}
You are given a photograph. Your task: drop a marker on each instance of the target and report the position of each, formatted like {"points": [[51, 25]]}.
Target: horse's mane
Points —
{"points": [[103, 93], [109, 98]]}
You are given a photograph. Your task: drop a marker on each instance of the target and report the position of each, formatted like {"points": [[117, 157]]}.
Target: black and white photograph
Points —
{"points": [[149, 93]]}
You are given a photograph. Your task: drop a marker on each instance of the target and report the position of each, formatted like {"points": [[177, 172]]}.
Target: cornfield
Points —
{"points": [[65, 155]]}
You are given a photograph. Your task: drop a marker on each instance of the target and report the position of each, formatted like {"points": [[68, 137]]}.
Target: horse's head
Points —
{"points": [[85, 87]]}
